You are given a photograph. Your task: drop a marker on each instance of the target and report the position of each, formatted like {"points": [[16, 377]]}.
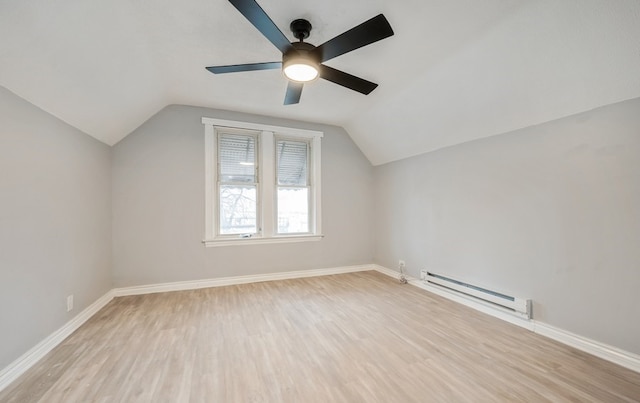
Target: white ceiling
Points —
{"points": [[456, 70]]}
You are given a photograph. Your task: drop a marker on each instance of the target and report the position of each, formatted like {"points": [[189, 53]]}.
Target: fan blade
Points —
{"points": [[244, 67], [347, 80], [364, 34], [256, 15], [294, 90]]}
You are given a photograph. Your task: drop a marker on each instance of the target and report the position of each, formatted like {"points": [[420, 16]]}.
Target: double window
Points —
{"points": [[262, 183]]}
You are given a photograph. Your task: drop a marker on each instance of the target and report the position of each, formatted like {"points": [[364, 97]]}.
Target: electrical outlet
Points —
{"points": [[69, 303], [401, 263]]}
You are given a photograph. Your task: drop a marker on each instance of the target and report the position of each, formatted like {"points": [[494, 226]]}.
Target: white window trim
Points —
{"points": [[266, 179]]}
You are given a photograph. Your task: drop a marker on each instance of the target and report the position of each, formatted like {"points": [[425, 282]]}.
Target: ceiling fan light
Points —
{"points": [[300, 70]]}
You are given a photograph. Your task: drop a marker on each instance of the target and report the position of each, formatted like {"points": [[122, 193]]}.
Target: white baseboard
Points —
{"points": [[224, 281], [601, 350], [28, 359]]}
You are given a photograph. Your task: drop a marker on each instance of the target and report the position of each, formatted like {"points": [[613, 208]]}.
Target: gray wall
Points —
{"points": [[158, 205], [55, 223], [550, 212]]}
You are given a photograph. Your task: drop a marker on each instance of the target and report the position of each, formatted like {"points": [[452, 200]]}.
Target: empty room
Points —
{"points": [[334, 201]]}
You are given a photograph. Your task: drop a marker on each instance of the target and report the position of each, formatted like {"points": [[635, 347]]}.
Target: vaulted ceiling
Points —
{"points": [[456, 70]]}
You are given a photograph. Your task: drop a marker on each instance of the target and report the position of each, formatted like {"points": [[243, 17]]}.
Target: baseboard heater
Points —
{"points": [[520, 306]]}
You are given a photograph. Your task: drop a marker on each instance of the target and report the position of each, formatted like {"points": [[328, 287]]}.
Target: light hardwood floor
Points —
{"points": [[359, 337]]}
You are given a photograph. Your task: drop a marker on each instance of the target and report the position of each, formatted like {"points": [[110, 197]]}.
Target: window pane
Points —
{"points": [[293, 210], [293, 159], [238, 208], [237, 158]]}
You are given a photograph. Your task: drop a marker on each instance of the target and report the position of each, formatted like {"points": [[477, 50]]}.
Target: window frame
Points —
{"points": [[267, 189]]}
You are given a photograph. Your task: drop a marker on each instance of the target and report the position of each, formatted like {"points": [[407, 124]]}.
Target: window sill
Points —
{"points": [[209, 243]]}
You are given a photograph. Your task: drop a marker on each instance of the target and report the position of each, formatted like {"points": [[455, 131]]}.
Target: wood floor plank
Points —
{"points": [[358, 337]]}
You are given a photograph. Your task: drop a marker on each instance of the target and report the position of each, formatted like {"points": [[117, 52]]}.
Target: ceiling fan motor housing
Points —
{"points": [[301, 50]]}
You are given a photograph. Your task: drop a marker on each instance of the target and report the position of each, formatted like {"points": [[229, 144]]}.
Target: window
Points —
{"points": [[292, 158], [237, 183], [262, 183]]}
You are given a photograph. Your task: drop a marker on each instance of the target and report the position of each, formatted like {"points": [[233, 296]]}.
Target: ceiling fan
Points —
{"points": [[302, 61]]}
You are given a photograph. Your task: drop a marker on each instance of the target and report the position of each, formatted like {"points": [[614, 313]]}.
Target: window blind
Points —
{"points": [[293, 161], [237, 158]]}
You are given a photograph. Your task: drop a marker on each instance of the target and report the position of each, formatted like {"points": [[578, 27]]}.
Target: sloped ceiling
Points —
{"points": [[456, 70]]}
